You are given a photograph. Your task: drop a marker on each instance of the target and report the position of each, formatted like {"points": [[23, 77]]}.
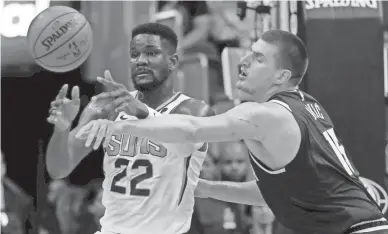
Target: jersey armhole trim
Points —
{"points": [[369, 226], [282, 104], [259, 164]]}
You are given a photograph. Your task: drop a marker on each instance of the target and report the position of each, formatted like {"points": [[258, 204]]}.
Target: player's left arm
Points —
{"points": [[248, 120]]}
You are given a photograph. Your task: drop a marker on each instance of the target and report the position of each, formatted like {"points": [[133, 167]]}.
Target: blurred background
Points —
{"points": [[347, 43]]}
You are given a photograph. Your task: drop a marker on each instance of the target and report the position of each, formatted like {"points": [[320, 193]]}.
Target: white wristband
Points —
{"points": [[152, 112]]}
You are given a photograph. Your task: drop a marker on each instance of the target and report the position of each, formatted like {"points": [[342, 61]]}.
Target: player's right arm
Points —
{"points": [[247, 193], [64, 151]]}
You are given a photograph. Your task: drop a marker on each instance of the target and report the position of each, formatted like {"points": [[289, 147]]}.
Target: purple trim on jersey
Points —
{"points": [[187, 165]]}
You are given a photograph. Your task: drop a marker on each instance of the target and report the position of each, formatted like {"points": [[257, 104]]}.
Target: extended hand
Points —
{"points": [[98, 130], [122, 98], [64, 110]]}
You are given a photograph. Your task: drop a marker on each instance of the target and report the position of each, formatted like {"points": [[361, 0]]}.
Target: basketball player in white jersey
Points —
{"points": [[149, 186]]}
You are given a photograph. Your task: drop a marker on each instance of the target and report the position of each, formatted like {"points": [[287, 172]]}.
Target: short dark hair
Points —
{"points": [[157, 29], [293, 52]]}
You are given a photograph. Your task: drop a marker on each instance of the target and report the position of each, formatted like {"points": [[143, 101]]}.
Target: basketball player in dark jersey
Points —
{"points": [[302, 170]]}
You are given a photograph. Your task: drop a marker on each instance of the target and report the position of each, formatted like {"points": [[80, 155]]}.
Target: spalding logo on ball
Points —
{"points": [[60, 39]]}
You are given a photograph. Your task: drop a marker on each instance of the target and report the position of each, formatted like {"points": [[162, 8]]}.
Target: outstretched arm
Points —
{"points": [[247, 193], [195, 108], [190, 107], [102, 130], [246, 121]]}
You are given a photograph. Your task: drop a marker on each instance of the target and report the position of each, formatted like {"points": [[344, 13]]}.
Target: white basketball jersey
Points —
{"points": [[149, 187]]}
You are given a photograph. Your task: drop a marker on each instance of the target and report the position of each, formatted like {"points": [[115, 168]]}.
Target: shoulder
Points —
{"points": [[257, 111], [271, 111], [194, 107], [269, 117], [283, 122]]}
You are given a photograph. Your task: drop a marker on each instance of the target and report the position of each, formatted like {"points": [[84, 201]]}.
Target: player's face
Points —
{"points": [[149, 61], [258, 71]]}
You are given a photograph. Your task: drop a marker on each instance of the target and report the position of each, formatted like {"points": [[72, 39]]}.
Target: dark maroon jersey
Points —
{"points": [[319, 191]]}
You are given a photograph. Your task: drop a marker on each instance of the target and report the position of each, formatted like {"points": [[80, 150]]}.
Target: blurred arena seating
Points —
{"points": [[192, 77], [171, 18]]}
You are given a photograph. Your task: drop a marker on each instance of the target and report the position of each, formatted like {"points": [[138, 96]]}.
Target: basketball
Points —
{"points": [[60, 39]]}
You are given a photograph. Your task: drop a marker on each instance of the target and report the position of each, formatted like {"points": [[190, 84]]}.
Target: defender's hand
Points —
{"points": [[64, 110], [97, 130]]}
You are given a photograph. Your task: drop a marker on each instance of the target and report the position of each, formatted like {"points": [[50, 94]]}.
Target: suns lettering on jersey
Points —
{"points": [[314, 110], [126, 145]]}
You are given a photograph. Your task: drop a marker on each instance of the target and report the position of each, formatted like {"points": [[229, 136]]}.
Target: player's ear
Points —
{"points": [[283, 76], [173, 62]]}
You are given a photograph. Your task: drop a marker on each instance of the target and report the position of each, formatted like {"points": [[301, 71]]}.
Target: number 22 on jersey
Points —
{"points": [[126, 145], [123, 163], [339, 151]]}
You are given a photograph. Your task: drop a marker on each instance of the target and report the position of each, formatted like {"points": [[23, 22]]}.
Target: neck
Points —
{"points": [[278, 89], [158, 96]]}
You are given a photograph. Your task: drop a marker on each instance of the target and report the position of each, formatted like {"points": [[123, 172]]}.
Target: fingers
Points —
{"points": [[111, 85], [83, 132], [123, 104], [100, 136], [103, 95], [55, 106], [116, 103], [106, 82], [92, 134], [122, 107], [56, 103], [113, 94], [55, 113], [63, 91], [108, 136], [98, 130], [52, 119], [61, 99], [59, 122], [108, 76], [75, 94]]}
